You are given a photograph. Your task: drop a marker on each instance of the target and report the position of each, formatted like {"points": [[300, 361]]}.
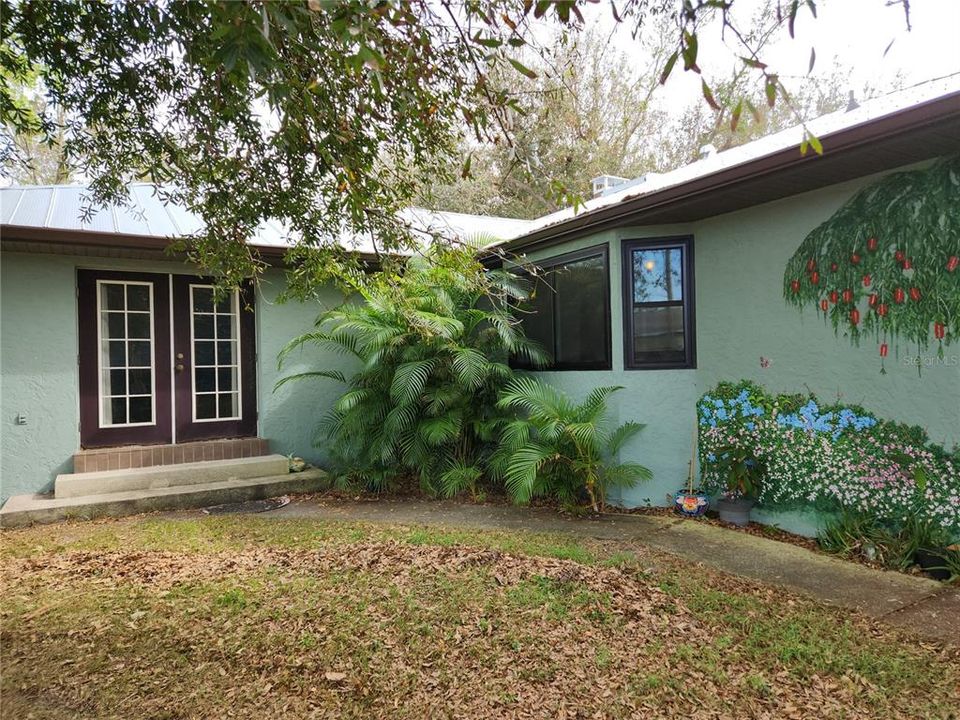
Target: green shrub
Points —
{"points": [[560, 448], [857, 534], [432, 346]]}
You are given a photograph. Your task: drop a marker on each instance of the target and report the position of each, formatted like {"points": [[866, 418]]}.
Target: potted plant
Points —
{"points": [[743, 472], [932, 549], [687, 501]]}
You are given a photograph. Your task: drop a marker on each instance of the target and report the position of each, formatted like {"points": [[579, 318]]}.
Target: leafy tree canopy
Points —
{"points": [[593, 110], [323, 116]]}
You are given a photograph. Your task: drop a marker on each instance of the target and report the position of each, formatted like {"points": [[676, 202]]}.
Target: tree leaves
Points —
{"points": [[522, 69], [668, 67]]}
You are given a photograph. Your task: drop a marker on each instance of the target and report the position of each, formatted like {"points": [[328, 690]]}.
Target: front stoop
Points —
{"points": [[22, 510], [160, 476], [137, 456]]}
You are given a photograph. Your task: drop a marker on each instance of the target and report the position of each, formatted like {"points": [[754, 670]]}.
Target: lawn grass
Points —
{"points": [[254, 617]]}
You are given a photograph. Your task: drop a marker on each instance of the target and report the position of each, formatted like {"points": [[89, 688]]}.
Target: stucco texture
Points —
{"points": [[38, 371], [39, 379], [740, 317], [290, 414]]}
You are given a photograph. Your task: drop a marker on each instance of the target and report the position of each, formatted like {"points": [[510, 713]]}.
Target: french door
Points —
{"points": [[163, 359]]}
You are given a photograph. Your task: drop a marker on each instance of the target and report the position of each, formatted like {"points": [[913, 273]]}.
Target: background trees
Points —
{"points": [[593, 110], [326, 117]]}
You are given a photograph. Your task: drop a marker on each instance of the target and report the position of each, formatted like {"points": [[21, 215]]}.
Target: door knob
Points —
{"points": [[179, 366]]}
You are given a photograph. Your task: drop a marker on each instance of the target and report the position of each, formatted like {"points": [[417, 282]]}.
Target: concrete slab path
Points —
{"points": [[924, 606]]}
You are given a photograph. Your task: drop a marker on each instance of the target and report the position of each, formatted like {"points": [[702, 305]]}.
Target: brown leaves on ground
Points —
{"points": [[394, 630]]}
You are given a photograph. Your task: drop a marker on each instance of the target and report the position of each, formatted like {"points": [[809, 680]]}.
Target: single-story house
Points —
{"points": [[115, 355]]}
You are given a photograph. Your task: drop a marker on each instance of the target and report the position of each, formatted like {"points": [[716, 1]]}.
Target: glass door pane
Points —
{"points": [[214, 336], [126, 357]]}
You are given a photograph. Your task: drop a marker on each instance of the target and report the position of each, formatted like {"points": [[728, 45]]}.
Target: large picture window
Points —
{"points": [[569, 311], [658, 304]]}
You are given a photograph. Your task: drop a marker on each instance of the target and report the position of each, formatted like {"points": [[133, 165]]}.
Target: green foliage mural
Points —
{"points": [[887, 264]]}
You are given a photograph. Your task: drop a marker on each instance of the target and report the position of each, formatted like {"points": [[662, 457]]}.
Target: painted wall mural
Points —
{"points": [[886, 265]]}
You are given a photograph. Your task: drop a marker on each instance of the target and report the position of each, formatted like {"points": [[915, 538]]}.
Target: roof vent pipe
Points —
{"points": [[706, 151], [852, 103]]}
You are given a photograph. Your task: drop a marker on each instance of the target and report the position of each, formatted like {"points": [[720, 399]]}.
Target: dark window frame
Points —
{"points": [[627, 247], [602, 251]]}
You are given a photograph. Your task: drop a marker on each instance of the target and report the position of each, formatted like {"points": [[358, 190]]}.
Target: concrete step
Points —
{"points": [[22, 510], [161, 476]]}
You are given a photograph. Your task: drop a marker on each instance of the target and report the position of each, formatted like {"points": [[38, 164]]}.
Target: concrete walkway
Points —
{"points": [[926, 607]]}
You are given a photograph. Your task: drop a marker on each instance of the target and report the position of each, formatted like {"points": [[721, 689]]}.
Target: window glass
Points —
{"points": [[215, 329], [581, 323], [657, 318], [126, 353], [568, 313], [657, 275]]}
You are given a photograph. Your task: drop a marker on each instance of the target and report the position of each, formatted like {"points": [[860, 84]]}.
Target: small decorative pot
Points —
{"points": [[735, 511], [931, 560], [691, 504]]}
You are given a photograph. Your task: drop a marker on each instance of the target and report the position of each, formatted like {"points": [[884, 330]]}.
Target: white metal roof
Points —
{"points": [[61, 207]]}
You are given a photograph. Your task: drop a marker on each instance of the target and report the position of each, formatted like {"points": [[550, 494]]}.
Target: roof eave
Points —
{"points": [[273, 254], [631, 211]]}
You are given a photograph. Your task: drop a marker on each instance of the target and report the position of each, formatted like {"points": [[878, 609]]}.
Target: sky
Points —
{"points": [[855, 32]]}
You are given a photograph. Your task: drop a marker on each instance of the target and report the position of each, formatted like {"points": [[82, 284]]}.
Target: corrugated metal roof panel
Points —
{"points": [[148, 215], [154, 211], [8, 203], [68, 205], [33, 208]]}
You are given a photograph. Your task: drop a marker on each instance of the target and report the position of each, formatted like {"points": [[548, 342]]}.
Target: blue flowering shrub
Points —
{"points": [[828, 457]]}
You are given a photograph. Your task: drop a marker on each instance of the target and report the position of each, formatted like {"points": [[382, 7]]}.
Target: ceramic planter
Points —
{"points": [[691, 504], [735, 511], [932, 562]]}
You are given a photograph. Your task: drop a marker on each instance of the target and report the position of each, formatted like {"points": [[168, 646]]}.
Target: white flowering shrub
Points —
{"points": [[829, 457]]}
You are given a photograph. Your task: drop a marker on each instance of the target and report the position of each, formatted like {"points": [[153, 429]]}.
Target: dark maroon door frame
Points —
{"points": [[91, 434], [187, 429], [173, 366]]}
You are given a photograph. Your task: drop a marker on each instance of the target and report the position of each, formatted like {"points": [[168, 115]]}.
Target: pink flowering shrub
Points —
{"points": [[829, 457]]}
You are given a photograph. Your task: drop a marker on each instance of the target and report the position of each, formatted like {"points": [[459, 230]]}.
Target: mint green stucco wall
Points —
{"points": [[741, 316], [38, 366], [289, 415], [38, 371]]}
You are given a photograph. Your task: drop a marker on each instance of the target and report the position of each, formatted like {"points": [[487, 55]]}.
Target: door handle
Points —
{"points": [[179, 366]]}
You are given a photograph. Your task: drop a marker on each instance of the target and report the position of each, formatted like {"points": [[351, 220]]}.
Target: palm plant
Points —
{"points": [[562, 448], [432, 346]]}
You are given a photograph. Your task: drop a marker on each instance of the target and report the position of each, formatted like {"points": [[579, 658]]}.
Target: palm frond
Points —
{"points": [[620, 436], [447, 327], [459, 477], [520, 477], [350, 399], [595, 404], [328, 374], [409, 380], [535, 397], [626, 474], [470, 366], [439, 430]]}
